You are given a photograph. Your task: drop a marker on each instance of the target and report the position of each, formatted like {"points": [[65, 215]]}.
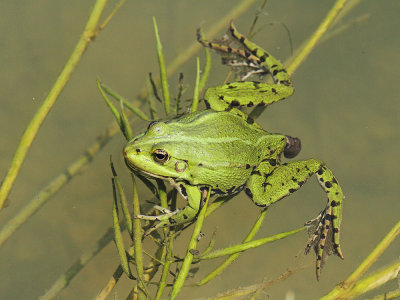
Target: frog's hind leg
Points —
{"points": [[248, 93], [262, 57], [266, 187]]}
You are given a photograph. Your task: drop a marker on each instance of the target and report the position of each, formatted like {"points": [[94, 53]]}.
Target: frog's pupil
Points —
{"points": [[160, 156]]}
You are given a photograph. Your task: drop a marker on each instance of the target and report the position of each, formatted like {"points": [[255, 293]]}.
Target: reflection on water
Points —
{"points": [[344, 110]]}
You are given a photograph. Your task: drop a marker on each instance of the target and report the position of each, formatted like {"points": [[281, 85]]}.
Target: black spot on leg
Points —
{"points": [[250, 120], [247, 166], [327, 227], [292, 190], [231, 87], [256, 85], [200, 165], [320, 171], [185, 217], [321, 246], [230, 190], [235, 103], [250, 104], [335, 230], [274, 91], [229, 50], [248, 193], [328, 184], [183, 191], [319, 257], [330, 217], [323, 236], [171, 221], [334, 180], [218, 192], [321, 179], [241, 39], [334, 203], [263, 58]]}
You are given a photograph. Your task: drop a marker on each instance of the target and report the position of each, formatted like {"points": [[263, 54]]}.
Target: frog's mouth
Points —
{"points": [[138, 171]]}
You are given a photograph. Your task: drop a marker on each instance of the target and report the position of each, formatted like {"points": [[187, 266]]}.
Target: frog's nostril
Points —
{"points": [[138, 150]]}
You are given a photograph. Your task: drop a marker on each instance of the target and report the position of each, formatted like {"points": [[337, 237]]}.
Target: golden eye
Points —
{"points": [[160, 156]]}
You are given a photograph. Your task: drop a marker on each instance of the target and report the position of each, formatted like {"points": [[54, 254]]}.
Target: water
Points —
{"points": [[344, 109]]}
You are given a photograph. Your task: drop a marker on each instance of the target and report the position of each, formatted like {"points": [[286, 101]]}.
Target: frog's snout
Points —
{"points": [[293, 147]]}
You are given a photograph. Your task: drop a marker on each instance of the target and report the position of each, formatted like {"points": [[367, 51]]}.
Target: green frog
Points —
{"points": [[224, 151]]}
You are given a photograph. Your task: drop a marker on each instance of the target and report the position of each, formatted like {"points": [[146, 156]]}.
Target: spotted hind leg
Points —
{"points": [[252, 59], [267, 186]]}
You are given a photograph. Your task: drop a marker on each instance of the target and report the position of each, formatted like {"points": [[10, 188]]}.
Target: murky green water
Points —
{"points": [[345, 110]]}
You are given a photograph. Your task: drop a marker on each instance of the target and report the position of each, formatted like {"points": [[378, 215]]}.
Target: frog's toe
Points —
{"points": [[162, 209], [322, 239]]}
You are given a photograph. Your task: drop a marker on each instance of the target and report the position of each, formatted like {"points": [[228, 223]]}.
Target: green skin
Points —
{"points": [[222, 149]]}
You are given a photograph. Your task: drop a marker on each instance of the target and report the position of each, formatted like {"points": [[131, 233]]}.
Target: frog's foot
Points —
{"points": [[268, 185], [322, 239], [165, 219], [179, 216]]}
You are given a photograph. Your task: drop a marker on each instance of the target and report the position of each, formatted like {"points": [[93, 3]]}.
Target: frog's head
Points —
{"points": [[152, 153]]}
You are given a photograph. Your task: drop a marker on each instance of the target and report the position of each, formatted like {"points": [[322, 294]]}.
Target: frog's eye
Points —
{"points": [[160, 156]]}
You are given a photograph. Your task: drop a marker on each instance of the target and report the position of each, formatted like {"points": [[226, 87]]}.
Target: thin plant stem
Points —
{"points": [[375, 280], [137, 241], [110, 284], [56, 184], [206, 70], [316, 36], [343, 289], [166, 268], [309, 45], [118, 233], [65, 279], [195, 102], [137, 111], [249, 245], [89, 33], [183, 272], [163, 72], [259, 10], [110, 16], [218, 270]]}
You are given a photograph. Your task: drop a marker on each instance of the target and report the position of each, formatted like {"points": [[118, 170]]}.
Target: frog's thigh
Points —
{"points": [[265, 189]]}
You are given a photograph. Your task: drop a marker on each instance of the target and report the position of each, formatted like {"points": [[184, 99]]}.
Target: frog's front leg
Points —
{"points": [[180, 216], [266, 186]]}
